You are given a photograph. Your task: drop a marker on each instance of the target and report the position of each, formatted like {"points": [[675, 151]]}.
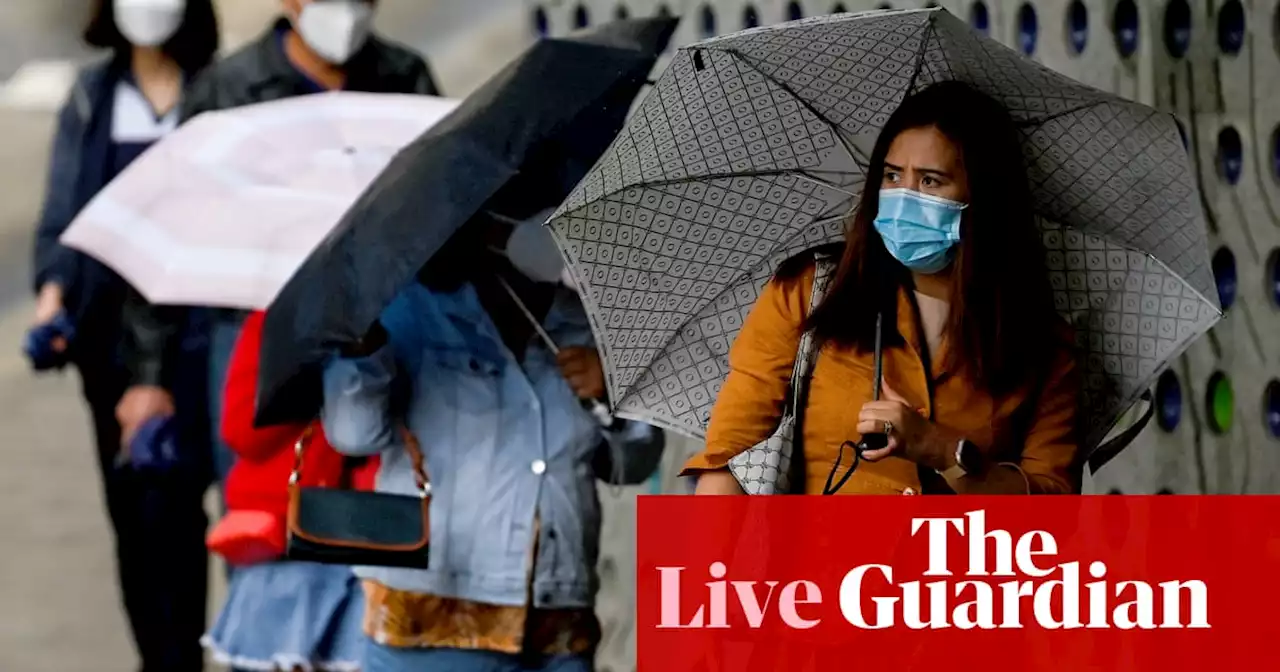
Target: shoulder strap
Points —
{"points": [[798, 393], [1103, 454], [410, 444], [805, 352]]}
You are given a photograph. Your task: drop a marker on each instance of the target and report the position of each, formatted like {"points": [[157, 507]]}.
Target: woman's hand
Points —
{"points": [[582, 369], [912, 435], [47, 342], [139, 404], [371, 342], [48, 303]]}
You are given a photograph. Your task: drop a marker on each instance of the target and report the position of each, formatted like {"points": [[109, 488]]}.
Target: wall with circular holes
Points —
{"points": [[1216, 66]]}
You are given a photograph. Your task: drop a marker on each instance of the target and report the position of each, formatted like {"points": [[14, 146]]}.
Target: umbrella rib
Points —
{"points": [[824, 183], [1138, 234], [924, 45], [729, 176], [1083, 106], [853, 151]]}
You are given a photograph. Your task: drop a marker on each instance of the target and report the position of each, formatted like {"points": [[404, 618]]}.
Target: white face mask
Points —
{"points": [[335, 29], [532, 250], [149, 23]]}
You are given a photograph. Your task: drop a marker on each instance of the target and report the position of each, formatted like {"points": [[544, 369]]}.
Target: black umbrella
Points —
{"points": [[517, 145]]}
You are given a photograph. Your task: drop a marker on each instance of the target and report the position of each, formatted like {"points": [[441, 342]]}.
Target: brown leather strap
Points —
{"points": [[419, 463], [410, 444]]}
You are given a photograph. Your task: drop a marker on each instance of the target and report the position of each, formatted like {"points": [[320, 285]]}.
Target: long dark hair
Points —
{"points": [[1002, 330], [192, 47]]}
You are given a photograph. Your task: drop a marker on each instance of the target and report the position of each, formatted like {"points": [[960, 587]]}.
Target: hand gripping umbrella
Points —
{"points": [[752, 149], [546, 117]]}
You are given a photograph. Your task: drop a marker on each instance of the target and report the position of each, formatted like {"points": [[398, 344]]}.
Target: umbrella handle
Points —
{"points": [[600, 411]]}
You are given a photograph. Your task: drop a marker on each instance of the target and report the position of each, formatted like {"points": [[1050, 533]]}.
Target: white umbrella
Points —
{"points": [[222, 211]]}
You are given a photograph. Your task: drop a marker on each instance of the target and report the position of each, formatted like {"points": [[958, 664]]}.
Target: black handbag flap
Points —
{"points": [[375, 521]]}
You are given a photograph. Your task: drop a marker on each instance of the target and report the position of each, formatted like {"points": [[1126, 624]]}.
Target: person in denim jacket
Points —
{"points": [[512, 454]]}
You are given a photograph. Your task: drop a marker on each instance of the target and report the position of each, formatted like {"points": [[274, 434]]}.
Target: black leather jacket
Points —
{"points": [[257, 73]]}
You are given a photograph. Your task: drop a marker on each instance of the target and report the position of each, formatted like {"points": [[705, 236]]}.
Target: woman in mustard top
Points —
{"points": [[979, 379]]}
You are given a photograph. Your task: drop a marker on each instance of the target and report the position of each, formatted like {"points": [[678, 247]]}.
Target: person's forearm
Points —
{"points": [[718, 482], [998, 479], [356, 415]]}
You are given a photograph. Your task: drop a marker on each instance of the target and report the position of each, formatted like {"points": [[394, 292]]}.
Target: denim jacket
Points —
{"points": [[503, 442]]}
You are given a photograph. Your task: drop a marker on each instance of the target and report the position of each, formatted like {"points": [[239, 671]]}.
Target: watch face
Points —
{"points": [[970, 457]]}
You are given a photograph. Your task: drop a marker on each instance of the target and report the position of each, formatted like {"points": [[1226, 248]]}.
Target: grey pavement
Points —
{"points": [[58, 602], [59, 607], [39, 29]]}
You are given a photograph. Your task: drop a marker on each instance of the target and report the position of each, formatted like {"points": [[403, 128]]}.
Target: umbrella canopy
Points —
{"points": [[517, 145], [753, 147], [223, 210]]}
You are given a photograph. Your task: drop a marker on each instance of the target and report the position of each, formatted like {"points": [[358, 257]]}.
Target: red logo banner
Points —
{"points": [[957, 583]]}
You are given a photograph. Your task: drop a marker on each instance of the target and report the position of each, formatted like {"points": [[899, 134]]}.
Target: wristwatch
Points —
{"points": [[968, 461]]}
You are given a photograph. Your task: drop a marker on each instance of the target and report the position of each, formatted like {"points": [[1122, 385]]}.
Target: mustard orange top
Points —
{"points": [[750, 403]]}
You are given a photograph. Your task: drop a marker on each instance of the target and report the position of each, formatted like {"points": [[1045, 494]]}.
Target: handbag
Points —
{"points": [[353, 527], [776, 465]]}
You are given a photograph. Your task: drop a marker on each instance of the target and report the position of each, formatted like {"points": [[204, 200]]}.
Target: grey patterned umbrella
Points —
{"points": [[752, 148]]}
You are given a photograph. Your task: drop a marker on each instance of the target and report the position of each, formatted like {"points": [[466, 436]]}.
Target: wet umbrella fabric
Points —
{"points": [[752, 148], [517, 145]]}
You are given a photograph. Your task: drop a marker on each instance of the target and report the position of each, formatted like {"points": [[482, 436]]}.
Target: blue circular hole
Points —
{"points": [[1230, 154], [1231, 27], [622, 13], [1271, 408], [794, 11], [1168, 401], [1077, 26], [1115, 491], [540, 25], [580, 17], [1224, 274], [708, 21], [1028, 28], [980, 17], [838, 8], [1124, 24], [750, 19], [1177, 27], [1164, 491]]}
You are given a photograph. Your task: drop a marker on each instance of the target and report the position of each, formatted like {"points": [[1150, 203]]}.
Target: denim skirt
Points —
{"points": [[287, 615]]}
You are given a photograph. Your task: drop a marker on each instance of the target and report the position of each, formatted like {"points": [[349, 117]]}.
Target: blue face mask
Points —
{"points": [[920, 231]]}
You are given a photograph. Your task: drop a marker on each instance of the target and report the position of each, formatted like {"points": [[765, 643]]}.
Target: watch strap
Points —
{"points": [[956, 470]]}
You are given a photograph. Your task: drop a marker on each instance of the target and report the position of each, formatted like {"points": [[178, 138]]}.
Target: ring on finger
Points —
{"points": [[888, 427]]}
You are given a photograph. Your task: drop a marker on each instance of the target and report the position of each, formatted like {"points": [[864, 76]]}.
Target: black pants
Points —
{"points": [[159, 529]]}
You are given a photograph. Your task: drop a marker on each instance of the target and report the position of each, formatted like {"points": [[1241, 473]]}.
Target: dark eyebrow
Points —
{"points": [[928, 171]]}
